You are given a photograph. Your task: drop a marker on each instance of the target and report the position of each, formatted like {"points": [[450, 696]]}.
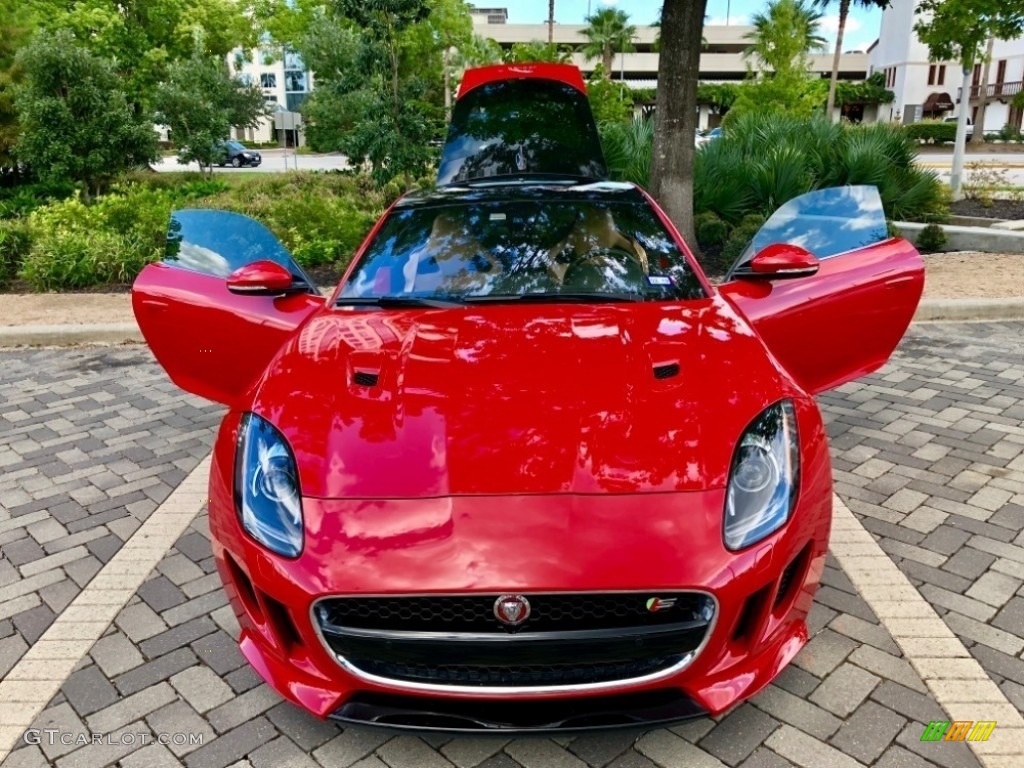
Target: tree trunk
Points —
{"points": [[676, 115], [978, 136], [608, 61], [844, 12], [551, 21]]}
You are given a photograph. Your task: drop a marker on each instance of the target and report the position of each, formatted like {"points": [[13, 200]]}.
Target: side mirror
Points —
{"points": [[263, 278], [779, 262]]}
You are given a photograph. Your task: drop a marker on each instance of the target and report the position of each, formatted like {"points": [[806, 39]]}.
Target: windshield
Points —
{"points": [[235, 146], [826, 222], [524, 248]]}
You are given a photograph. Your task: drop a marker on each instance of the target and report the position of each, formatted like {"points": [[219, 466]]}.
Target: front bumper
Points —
{"points": [[529, 545]]}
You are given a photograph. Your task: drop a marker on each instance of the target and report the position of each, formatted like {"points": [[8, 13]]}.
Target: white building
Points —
{"points": [[286, 83], [931, 89]]}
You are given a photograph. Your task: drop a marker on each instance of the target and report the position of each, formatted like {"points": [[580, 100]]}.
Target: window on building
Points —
{"points": [[977, 75], [295, 81], [268, 80], [295, 100], [292, 60], [1001, 71], [244, 78], [270, 99], [932, 70], [942, 75]]}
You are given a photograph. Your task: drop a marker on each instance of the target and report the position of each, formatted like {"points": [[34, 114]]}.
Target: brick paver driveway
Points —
{"points": [[929, 454]]}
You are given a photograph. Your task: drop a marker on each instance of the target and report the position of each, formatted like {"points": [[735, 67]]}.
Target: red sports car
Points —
{"points": [[525, 468]]}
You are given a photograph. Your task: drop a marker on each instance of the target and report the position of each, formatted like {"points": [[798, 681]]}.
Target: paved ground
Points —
{"points": [[274, 161], [929, 454]]}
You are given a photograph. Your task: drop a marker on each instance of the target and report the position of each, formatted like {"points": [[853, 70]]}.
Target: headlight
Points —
{"points": [[267, 495], [763, 479]]}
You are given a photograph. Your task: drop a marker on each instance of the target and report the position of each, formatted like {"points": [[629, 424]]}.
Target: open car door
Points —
{"points": [[826, 287], [214, 340]]}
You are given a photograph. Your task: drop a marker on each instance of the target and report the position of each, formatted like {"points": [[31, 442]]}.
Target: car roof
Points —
{"points": [[528, 189]]}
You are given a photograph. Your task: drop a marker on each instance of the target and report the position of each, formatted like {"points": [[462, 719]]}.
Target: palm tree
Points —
{"points": [[785, 34], [609, 32], [844, 13]]}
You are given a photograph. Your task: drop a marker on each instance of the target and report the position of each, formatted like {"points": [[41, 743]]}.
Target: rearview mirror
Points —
{"points": [[263, 278], [780, 261]]}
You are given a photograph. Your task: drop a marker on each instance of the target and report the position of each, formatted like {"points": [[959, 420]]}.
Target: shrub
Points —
{"points": [[74, 246], [765, 161], [628, 149], [15, 242], [932, 131], [931, 239], [892, 229], [741, 237], [712, 232], [20, 201], [1008, 133]]}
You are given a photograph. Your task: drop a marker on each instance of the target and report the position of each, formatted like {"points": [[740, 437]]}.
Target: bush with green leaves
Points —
{"points": [[15, 242], [712, 232], [931, 239], [628, 149], [74, 247], [932, 131], [763, 162], [321, 218]]}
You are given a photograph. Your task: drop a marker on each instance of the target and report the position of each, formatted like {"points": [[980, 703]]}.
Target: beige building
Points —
{"points": [[721, 61]]}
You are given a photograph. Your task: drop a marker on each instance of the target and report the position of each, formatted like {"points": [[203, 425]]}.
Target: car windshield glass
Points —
{"points": [[527, 248], [235, 146]]}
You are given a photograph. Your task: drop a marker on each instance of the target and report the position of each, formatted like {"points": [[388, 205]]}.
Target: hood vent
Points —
{"points": [[666, 371], [365, 378]]}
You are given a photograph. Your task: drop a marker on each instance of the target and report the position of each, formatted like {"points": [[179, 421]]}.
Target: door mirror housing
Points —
{"points": [[263, 278], [778, 262]]}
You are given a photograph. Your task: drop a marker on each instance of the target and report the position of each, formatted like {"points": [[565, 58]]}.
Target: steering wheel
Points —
{"points": [[606, 269]]}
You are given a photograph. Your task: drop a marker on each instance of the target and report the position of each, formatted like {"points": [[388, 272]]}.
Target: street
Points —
{"points": [[274, 161]]}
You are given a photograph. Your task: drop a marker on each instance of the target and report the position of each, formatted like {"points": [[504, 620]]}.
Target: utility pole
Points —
{"points": [[551, 21]]}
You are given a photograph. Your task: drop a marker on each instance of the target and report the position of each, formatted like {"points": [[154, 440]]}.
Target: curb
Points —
{"points": [[68, 335], [128, 333], [969, 309]]}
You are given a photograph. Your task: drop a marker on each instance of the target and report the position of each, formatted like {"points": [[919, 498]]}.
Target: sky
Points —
{"points": [[861, 28]]}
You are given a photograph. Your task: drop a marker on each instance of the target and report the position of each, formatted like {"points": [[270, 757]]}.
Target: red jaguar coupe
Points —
{"points": [[525, 468]]}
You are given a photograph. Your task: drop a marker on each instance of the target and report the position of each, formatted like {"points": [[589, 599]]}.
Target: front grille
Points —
{"points": [[524, 674], [568, 639], [475, 613]]}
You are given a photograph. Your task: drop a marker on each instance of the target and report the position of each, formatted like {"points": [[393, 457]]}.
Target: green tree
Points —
{"points": [[200, 102], [960, 30], [782, 38], [610, 102], [537, 51], [143, 37], [608, 32], [682, 24], [76, 122], [375, 98], [844, 14], [784, 35], [17, 20]]}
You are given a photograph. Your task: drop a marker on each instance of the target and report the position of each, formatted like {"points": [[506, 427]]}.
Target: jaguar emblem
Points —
{"points": [[512, 610]]}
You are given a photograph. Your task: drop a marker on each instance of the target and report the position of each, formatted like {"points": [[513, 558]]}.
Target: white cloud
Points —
{"points": [[737, 19], [830, 25]]}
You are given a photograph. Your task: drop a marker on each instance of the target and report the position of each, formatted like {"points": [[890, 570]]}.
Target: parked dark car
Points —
{"points": [[237, 155]]}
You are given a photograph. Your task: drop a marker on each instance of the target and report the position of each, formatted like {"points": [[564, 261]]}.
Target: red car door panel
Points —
{"points": [[214, 343], [845, 321]]}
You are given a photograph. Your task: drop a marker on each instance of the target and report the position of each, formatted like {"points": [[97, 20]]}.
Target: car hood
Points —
{"points": [[518, 399]]}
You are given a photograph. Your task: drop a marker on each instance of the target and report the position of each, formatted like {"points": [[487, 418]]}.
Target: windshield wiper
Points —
{"points": [[397, 302], [587, 298]]}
